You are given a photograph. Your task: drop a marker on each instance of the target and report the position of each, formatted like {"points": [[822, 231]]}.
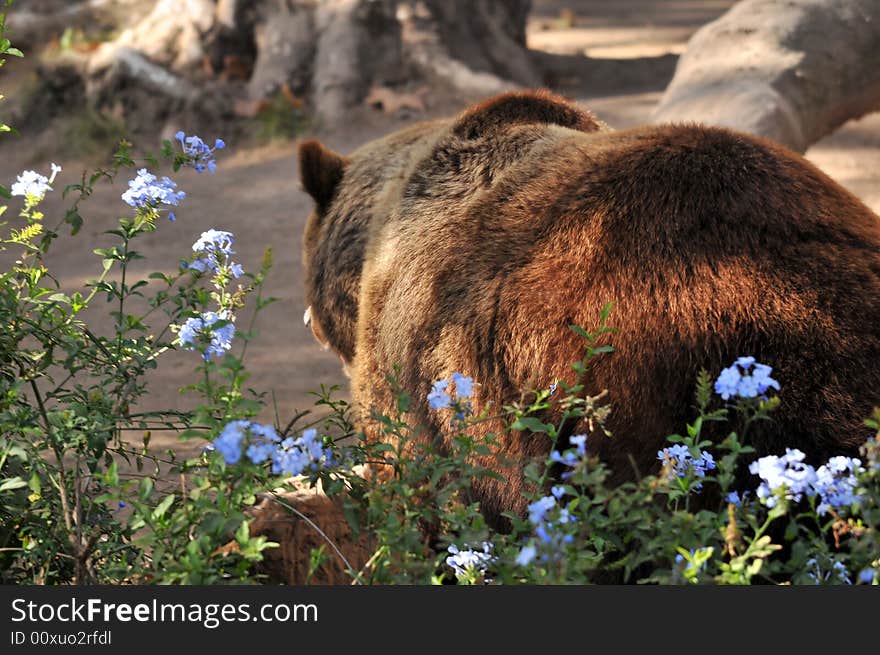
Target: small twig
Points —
{"points": [[295, 418]]}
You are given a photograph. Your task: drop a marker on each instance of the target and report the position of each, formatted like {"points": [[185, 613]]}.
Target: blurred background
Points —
{"points": [[263, 74]]}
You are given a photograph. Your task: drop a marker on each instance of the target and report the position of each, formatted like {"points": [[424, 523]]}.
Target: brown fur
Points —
{"points": [[472, 244], [291, 562]]}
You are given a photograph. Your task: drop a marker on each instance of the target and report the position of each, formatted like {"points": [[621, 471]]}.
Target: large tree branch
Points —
{"points": [[792, 71]]}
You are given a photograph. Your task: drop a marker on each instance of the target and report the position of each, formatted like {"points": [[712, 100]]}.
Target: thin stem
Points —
{"points": [[209, 392], [62, 478], [122, 294]]}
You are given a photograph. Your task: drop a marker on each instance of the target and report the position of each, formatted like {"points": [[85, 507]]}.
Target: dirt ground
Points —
{"points": [[256, 194]]}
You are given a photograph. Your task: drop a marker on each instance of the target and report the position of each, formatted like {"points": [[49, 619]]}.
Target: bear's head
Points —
{"points": [[321, 171]]}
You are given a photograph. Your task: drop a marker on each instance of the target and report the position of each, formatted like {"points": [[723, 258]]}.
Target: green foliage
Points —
{"points": [[67, 395], [282, 118]]}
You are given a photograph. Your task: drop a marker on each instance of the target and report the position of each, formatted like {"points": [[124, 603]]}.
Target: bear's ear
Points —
{"points": [[320, 170], [523, 108]]}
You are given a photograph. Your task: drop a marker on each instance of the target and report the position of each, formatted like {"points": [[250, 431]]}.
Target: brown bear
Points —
{"points": [[472, 244]]}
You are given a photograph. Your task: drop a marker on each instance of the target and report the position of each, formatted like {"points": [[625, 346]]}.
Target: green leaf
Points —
{"points": [[162, 507], [73, 219], [531, 424], [242, 535], [12, 483], [15, 52], [146, 488]]}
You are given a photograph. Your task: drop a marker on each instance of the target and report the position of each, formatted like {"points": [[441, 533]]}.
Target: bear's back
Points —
{"points": [[711, 244]]}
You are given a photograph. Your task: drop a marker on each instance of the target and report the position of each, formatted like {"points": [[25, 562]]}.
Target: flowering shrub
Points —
{"points": [[470, 565], [81, 493]]}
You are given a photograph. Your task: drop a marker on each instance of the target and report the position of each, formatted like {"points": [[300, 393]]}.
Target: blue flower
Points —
{"points": [[743, 381], [867, 576], [438, 398], [571, 458], [199, 154], [554, 387], [295, 456], [121, 504], [465, 563], [836, 483], [146, 191], [704, 463], [215, 246], [579, 441], [31, 183], [526, 555], [548, 518], [215, 242], [787, 475], [679, 463], [229, 442], [464, 386], [264, 443], [200, 331], [256, 440], [538, 510], [733, 497]]}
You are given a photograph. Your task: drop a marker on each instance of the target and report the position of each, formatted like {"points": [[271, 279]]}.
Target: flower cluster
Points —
{"points": [[440, 398], [787, 473], [32, 184], [237, 434], [549, 521], [204, 331], [745, 379], [678, 462], [305, 453], [214, 248], [199, 155], [470, 564], [146, 191], [836, 483], [790, 477], [261, 443]]}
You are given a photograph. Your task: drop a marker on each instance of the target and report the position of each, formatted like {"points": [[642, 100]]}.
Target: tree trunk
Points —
{"points": [[792, 71], [333, 53]]}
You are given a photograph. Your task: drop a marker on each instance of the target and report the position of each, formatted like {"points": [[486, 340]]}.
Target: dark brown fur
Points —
{"points": [[472, 244]]}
